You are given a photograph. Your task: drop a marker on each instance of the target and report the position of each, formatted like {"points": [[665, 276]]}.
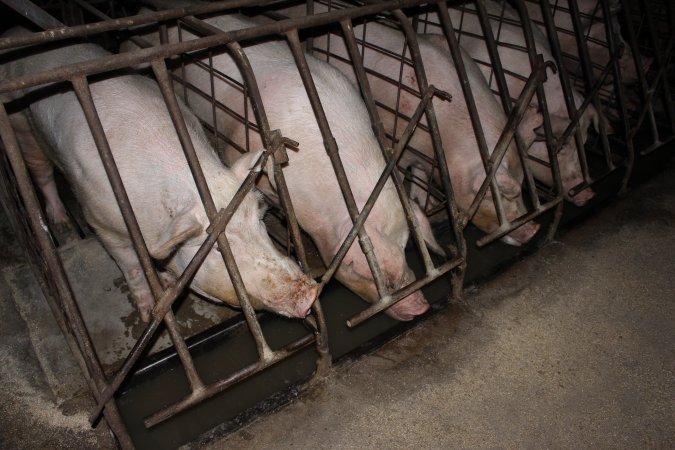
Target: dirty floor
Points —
{"points": [[573, 347]]}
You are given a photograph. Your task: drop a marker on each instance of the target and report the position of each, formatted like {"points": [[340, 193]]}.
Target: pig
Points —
{"points": [[312, 184], [516, 66], [593, 26], [460, 147], [158, 182]]}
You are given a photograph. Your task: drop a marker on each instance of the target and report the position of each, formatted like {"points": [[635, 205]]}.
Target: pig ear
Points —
{"points": [[425, 229], [245, 163], [183, 228], [531, 121]]}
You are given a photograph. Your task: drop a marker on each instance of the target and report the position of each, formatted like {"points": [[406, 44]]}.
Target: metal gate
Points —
{"points": [[177, 41]]}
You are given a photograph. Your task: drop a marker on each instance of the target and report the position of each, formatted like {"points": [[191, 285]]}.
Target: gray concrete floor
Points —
{"points": [[573, 347]]}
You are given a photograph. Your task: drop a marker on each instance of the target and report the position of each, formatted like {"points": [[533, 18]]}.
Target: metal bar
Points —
{"points": [[176, 13], [390, 300], [164, 304], [270, 139], [587, 71], [164, 81], [219, 386], [504, 96], [357, 64], [33, 13], [651, 28], [83, 93], [470, 101], [516, 115], [333, 154], [69, 320], [455, 217]]}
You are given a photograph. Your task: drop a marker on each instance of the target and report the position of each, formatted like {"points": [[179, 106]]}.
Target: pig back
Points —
{"points": [[141, 137]]}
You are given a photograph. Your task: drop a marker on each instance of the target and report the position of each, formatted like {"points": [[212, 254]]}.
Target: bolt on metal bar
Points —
{"points": [[333, 154], [67, 314]]}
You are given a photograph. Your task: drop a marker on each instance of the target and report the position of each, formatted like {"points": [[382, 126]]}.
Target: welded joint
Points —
{"points": [[279, 144]]}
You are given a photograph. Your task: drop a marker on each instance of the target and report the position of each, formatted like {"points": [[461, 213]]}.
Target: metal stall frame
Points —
{"points": [[65, 305], [615, 93], [487, 20], [387, 297], [491, 161]]}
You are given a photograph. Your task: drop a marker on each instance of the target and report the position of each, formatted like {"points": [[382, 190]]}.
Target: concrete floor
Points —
{"points": [[572, 347]]}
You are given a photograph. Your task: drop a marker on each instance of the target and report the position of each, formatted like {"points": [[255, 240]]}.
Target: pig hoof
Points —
{"points": [[167, 279], [145, 304]]}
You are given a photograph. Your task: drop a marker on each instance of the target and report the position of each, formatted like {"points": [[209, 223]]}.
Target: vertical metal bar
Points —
{"points": [[163, 79], [651, 28], [611, 36], [69, 320], [357, 64], [333, 154], [458, 219], [473, 110], [504, 95], [86, 101], [587, 71]]}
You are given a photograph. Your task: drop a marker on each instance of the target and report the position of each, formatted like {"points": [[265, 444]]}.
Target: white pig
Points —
{"points": [[319, 205], [460, 147], [594, 29], [158, 182], [516, 66]]}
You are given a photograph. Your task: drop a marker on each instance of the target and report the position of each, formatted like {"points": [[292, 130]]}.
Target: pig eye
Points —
{"points": [[217, 248]]}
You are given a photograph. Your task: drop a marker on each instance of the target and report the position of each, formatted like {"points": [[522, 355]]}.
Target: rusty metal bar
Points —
{"points": [[83, 93], [176, 13], [498, 72], [69, 320], [164, 81], [221, 385], [533, 83], [357, 64], [33, 13], [668, 105], [168, 297], [449, 32], [333, 154], [270, 139]]}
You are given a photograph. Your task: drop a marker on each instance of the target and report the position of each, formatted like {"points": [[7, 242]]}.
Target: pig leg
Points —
{"points": [[42, 171], [128, 262]]}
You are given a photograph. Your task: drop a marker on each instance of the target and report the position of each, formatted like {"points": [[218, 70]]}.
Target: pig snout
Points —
{"points": [[298, 300], [522, 235], [408, 308], [583, 197]]}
